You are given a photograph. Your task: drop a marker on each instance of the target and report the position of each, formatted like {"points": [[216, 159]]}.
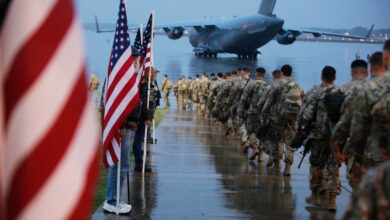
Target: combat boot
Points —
{"points": [[332, 202], [270, 162], [287, 169], [260, 157], [255, 152], [277, 166], [313, 198], [244, 147]]}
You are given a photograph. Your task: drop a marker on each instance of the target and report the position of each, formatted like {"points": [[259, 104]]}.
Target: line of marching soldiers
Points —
{"points": [[348, 124]]}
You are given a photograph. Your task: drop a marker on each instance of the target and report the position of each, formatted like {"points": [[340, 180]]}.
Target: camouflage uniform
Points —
{"points": [[248, 110], [369, 131], [175, 92], [182, 91], [166, 87], [188, 95], [203, 94], [371, 199], [233, 98], [282, 108], [265, 143], [340, 132], [213, 91], [94, 86], [194, 88], [314, 115], [221, 100]]}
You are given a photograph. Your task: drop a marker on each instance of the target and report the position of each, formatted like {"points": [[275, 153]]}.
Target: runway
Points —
{"points": [[198, 174]]}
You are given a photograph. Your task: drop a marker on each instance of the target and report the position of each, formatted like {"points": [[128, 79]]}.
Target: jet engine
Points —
{"points": [[286, 37], [174, 33]]}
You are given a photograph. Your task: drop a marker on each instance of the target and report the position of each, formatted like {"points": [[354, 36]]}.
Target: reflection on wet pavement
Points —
{"points": [[199, 174]]}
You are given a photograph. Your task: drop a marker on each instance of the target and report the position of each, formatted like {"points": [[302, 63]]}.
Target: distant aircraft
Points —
{"points": [[241, 35]]}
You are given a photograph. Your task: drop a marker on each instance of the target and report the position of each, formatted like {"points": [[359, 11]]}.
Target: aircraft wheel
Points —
{"points": [[215, 55]]}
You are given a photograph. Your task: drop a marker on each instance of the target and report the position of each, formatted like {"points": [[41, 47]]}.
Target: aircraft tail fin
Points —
{"points": [[97, 25], [369, 32], [267, 7]]}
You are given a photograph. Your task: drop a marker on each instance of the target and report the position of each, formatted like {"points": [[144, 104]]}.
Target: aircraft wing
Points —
{"points": [[198, 25], [316, 33]]}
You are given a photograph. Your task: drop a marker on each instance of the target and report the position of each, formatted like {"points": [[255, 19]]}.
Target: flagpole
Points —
{"points": [[149, 79], [137, 67], [141, 34], [152, 64], [154, 132], [118, 174]]}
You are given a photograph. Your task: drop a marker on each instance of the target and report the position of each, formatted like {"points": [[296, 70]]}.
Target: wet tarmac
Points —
{"points": [[198, 174]]}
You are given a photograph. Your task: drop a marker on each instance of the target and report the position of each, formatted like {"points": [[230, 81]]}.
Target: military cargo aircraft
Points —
{"points": [[240, 35]]}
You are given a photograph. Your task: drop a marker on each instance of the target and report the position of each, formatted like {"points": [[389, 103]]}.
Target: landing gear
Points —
{"points": [[252, 56], [206, 54]]}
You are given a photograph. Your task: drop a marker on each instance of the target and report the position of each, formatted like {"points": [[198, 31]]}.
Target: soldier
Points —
{"points": [[313, 116], [189, 93], [221, 77], [221, 97], [222, 105], [182, 89], [176, 94], [194, 88], [340, 132], [166, 87], [370, 125], [94, 86], [231, 129], [235, 95], [371, 199], [203, 94], [266, 142], [286, 97], [213, 90], [248, 110]]}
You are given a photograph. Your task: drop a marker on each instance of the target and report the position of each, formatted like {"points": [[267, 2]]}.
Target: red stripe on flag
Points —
{"points": [[33, 57], [37, 167]]}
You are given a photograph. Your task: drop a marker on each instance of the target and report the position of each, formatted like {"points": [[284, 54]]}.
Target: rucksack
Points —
{"points": [[381, 116], [333, 103], [292, 101]]}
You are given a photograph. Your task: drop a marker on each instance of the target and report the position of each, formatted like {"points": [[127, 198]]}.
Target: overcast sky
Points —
{"points": [[296, 13]]}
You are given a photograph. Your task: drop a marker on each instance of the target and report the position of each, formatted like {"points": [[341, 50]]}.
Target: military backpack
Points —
{"points": [[381, 116]]}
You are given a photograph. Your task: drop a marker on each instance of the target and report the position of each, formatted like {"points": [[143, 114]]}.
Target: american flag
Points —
{"points": [[50, 134], [138, 41], [147, 44], [121, 94], [144, 47], [140, 62]]}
